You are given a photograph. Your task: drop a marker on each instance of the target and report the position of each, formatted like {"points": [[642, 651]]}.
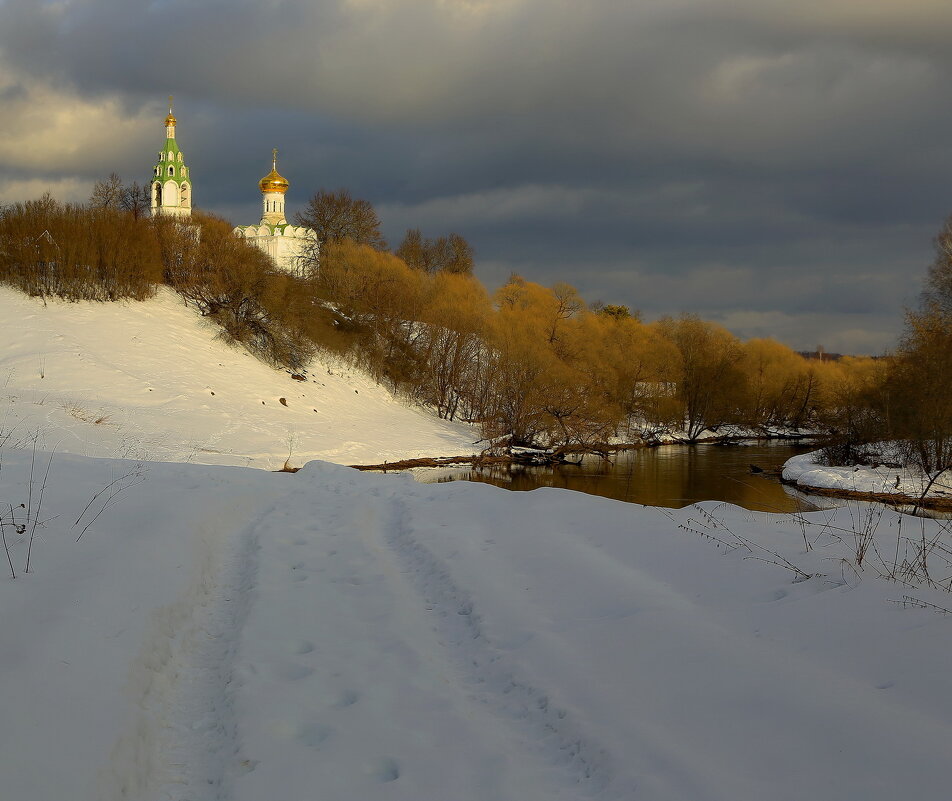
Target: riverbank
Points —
{"points": [[668, 477], [895, 486], [567, 455]]}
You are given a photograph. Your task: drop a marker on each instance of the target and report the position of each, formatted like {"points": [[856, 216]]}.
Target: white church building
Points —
{"points": [[287, 245], [171, 194]]}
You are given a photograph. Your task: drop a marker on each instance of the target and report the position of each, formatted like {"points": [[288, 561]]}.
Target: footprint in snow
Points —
{"points": [[290, 671], [313, 735], [383, 769], [345, 699]]}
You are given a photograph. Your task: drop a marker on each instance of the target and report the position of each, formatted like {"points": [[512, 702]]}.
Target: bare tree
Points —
{"points": [[938, 291], [112, 193], [135, 199], [710, 379], [460, 256], [413, 250], [452, 254], [334, 216], [107, 193]]}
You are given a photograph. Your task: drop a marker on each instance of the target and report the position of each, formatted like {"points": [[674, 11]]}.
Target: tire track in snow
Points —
{"points": [[492, 680], [184, 743]]}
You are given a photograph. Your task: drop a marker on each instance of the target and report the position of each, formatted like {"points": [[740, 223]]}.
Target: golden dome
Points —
{"points": [[170, 120], [274, 181]]}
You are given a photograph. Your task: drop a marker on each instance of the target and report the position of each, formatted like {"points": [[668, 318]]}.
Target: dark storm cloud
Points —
{"points": [[778, 167]]}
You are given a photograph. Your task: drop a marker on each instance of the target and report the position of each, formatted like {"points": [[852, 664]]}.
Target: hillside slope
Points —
{"points": [[153, 381]]}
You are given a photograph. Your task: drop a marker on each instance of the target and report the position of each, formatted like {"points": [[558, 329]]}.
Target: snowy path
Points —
{"points": [[493, 679], [184, 740], [387, 670]]}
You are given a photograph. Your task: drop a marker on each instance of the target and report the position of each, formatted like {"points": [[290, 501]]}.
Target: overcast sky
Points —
{"points": [[778, 167]]}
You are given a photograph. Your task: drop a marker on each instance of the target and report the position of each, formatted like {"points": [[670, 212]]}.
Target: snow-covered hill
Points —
{"points": [[151, 380]]}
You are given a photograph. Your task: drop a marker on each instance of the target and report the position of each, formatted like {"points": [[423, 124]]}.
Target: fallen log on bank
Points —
{"points": [[527, 457], [427, 461], [896, 500]]}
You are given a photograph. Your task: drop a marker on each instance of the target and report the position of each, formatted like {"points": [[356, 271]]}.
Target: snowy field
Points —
{"points": [[224, 633], [151, 380], [209, 632]]}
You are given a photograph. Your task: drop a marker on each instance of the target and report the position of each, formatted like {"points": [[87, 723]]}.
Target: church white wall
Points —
{"points": [[171, 201], [286, 248], [272, 208], [170, 194]]}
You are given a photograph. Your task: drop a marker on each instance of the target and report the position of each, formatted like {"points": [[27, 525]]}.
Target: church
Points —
{"points": [[171, 185], [171, 194], [287, 245]]}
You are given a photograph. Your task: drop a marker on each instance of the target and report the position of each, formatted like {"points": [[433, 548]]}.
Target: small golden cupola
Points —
{"points": [[274, 181], [273, 186], [170, 122]]}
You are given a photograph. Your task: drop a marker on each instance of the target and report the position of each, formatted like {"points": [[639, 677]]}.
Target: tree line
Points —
{"points": [[537, 366], [529, 365]]}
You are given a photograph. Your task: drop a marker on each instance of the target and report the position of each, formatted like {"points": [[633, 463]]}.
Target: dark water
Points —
{"points": [[671, 476]]}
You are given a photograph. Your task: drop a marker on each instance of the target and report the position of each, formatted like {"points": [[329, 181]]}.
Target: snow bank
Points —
{"points": [[807, 473], [152, 380], [221, 633]]}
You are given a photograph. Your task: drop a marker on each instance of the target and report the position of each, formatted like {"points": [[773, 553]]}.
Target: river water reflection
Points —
{"points": [[671, 476]]}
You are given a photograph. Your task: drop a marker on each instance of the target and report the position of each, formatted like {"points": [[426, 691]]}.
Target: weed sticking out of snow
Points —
{"points": [[22, 524], [857, 538]]}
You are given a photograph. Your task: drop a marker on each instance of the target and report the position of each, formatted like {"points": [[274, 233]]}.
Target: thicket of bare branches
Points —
{"points": [[112, 193], [448, 254], [233, 282], [78, 252], [536, 366]]}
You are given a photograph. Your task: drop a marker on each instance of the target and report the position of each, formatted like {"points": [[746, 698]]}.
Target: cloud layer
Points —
{"points": [[780, 168]]}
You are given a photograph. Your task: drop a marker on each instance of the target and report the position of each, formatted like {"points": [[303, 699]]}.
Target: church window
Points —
{"points": [[179, 156], [185, 201], [171, 170], [157, 193], [171, 156]]}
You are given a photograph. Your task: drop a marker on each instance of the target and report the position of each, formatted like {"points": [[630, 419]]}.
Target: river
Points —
{"points": [[671, 475]]}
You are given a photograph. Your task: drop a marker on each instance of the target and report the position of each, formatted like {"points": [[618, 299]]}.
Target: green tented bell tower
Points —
{"points": [[171, 182]]}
